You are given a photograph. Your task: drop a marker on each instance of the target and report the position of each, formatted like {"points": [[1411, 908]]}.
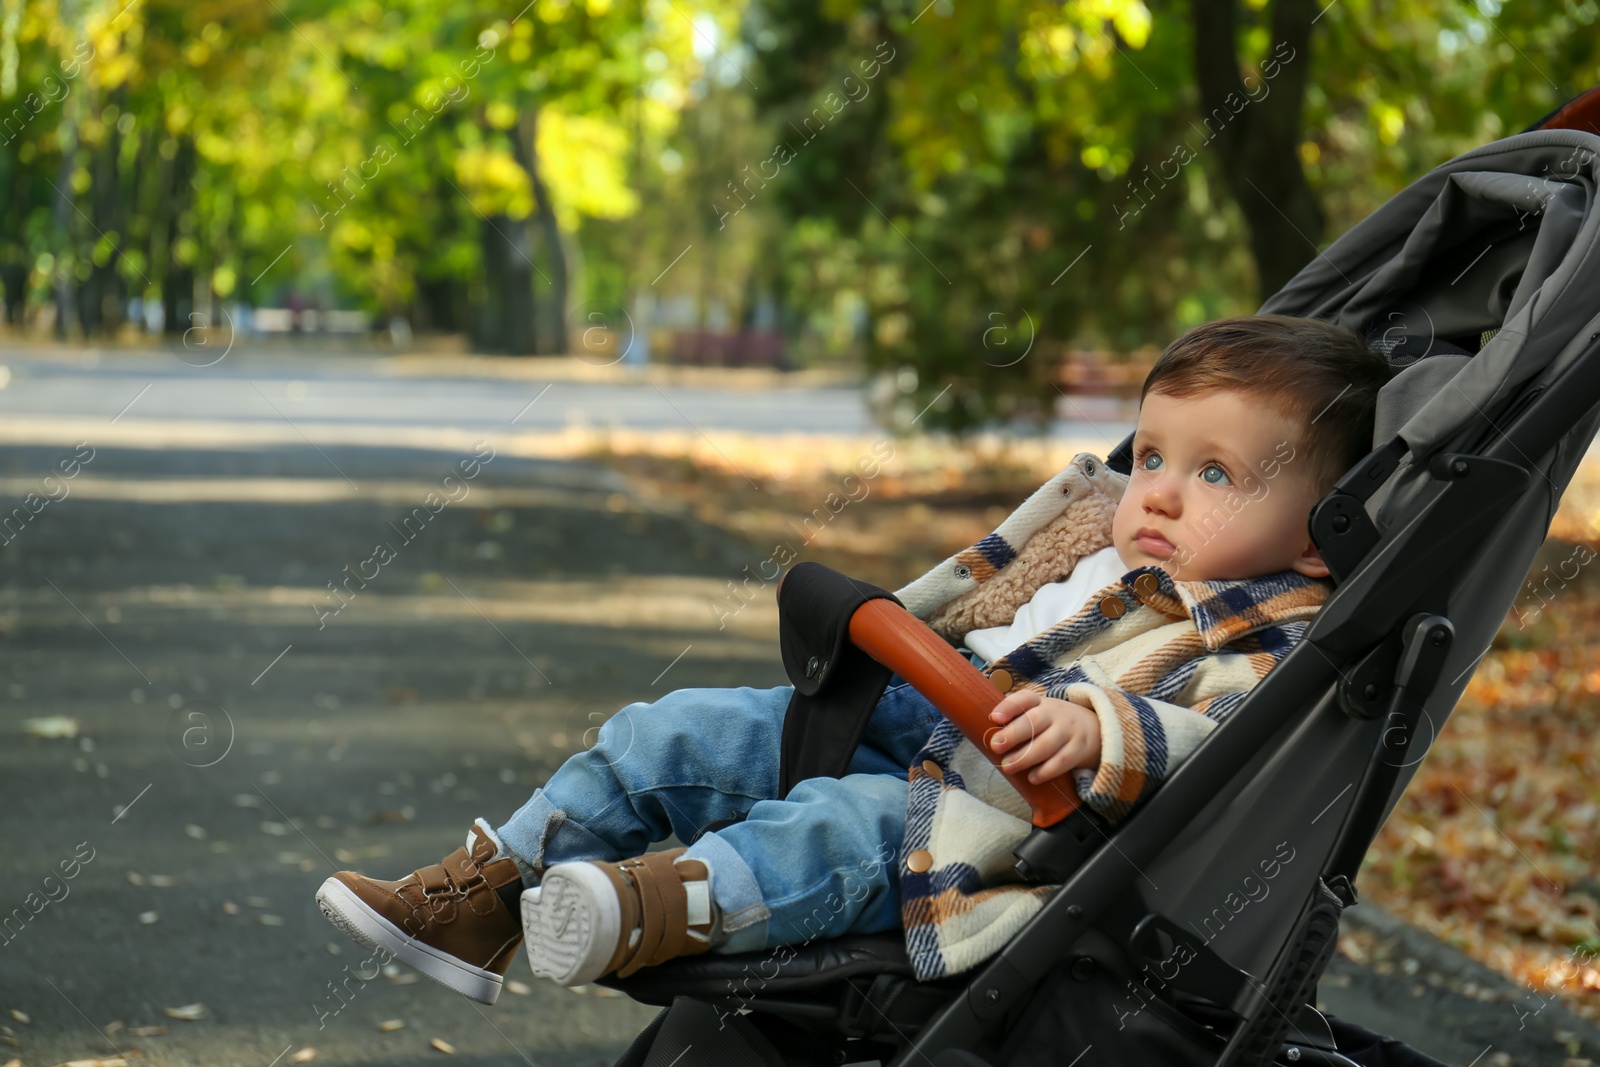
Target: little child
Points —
{"points": [[1124, 616]]}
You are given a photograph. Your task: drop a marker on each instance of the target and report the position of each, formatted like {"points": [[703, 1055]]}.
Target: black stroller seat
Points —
{"points": [[1169, 941]]}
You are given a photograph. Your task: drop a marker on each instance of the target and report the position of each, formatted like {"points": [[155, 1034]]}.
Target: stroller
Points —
{"points": [[1478, 281]]}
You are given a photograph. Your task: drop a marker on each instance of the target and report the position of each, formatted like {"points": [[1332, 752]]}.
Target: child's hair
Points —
{"points": [[1321, 376]]}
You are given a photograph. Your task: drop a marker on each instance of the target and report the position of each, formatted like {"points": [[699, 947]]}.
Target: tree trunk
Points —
{"points": [[504, 322], [14, 254], [552, 337], [102, 292], [1258, 133], [177, 282], [14, 276], [147, 182], [434, 310], [66, 220]]}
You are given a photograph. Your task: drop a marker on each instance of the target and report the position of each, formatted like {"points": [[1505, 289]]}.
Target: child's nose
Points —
{"points": [[1161, 497]]}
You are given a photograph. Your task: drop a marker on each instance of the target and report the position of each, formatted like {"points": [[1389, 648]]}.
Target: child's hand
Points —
{"points": [[1051, 736]]}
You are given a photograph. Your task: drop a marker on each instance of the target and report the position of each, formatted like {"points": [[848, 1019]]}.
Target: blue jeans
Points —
{"points": [[819, 863]]}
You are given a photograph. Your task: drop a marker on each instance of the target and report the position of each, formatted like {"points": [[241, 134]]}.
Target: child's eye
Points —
{"points": [[1140, 458]]}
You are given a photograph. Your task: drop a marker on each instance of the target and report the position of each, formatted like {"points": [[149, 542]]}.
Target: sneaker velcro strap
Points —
{"points": [[463, 870], [481, 899], [434, 879], [629, 899], [665, 907]]}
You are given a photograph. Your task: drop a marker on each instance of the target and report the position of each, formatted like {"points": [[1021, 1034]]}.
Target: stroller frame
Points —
{"points": [[1428, 540]]}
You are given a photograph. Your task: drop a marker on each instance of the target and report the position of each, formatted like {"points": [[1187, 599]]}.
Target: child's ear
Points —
{"points": [[1310, 562]]}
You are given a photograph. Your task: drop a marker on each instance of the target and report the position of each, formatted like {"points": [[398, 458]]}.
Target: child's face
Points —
{"points": [[1220, 479]]}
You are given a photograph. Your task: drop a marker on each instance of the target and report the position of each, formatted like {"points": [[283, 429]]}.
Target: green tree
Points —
{"points": [[419, 158], [1106, 174]]}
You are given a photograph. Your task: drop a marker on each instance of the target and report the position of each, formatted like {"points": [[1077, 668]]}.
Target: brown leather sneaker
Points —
{"points": [[449, 920], [587, 919]]}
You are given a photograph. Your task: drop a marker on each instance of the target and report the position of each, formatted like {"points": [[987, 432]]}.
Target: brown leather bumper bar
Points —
{"points": [[899, 640]]}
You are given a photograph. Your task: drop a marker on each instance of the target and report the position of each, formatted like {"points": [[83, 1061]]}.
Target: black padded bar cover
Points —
{"points": [[836, 685]]}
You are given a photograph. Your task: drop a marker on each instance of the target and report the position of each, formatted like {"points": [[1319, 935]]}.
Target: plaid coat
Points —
{"points": [[1160, 675]]}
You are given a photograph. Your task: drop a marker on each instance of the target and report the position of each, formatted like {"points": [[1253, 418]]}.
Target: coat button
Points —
{"points": [[919, 861], [1112, 607], [1146, 585], [1002, 680], [812, 665], [933, 770]]}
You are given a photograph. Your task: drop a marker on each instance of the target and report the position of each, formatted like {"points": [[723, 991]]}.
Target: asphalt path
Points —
{"points": [[346, 390], [234, 741], [357, 390]]}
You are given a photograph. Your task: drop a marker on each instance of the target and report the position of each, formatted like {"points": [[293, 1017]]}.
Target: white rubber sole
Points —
{"points": [[366, 927], [571, 923]]}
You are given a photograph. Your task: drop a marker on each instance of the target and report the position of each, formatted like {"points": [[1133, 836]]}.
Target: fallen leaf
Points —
{"points": [[112, 1027], [305, 1055], [162, 881], [443, 1046], [388, 1026], [196, 832], [230, 908], [259, 902], [135, 878], [276, 829], [21, 1016], [13, 1063], [270, 920], [521, 989], [146, 1031], [190, 1012], [1351, 949], [247, 800], [114, 1061], [51, 726], [149, 918]]}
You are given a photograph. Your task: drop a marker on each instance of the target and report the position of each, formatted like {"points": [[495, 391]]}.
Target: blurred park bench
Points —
{"points": [[1099, 385]]}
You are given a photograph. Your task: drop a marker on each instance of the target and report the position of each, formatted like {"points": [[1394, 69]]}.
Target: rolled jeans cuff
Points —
{"points": [[734, 886], [540, 835]]}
